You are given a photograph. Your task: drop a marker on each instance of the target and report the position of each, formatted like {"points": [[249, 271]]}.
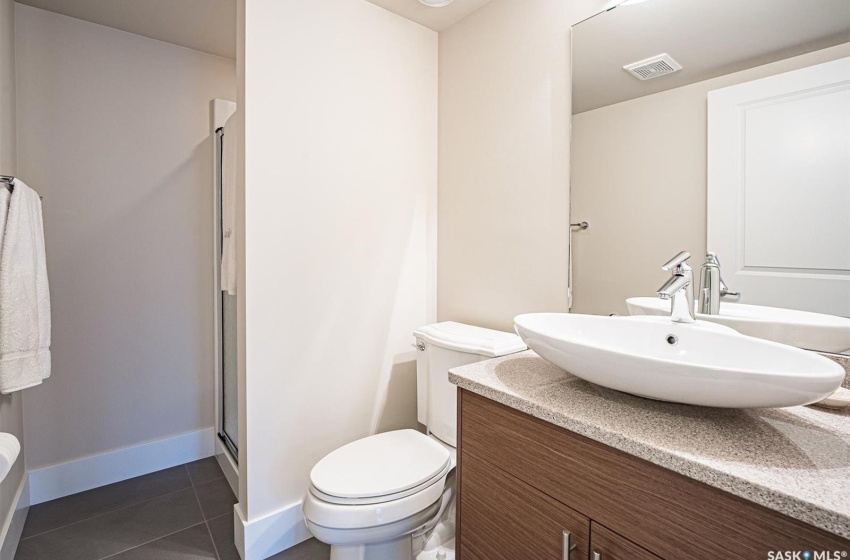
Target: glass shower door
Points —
{"points": [[229, 425], [228, 418]]}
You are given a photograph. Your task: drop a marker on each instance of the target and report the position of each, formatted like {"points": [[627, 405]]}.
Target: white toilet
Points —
{"points": [[391, 496]]}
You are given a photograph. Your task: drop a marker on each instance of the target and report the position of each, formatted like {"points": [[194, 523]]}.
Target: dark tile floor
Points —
{"points": [[181, 513]]}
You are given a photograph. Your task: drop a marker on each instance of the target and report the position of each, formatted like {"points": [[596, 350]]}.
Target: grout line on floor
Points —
{"points": [[220, 516], [207, 482], [209, 532], [206, 521], [112, 511], [191, 482], [200, 507], [152, 541]]}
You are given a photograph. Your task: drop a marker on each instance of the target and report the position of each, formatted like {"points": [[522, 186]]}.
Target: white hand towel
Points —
{"points": [[24, 293], [228, 208]]}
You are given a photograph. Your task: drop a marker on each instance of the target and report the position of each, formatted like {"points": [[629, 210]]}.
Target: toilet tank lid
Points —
{"points": [[471, 339]]}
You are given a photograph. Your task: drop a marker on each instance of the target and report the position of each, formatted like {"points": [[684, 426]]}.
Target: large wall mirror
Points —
{"points": [[715, 126]]}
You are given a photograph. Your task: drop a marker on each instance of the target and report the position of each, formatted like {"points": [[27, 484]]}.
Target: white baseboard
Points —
{"points": [[13, 525], [228, 465], [239, 530], [64, 479], [270, 534]]}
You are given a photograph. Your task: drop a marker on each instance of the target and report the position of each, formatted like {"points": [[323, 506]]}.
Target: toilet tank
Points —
{"points": [[441, 347]]}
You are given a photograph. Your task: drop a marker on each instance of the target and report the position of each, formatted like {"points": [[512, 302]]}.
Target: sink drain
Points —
{"points": [[672, 339]]}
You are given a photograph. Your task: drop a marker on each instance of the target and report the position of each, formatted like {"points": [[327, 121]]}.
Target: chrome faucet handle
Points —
{"points": [[677, 262], [724, 289]]}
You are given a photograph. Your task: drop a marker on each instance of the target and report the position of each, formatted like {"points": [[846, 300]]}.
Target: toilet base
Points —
{"points": [[399, 549], [429, 532]]}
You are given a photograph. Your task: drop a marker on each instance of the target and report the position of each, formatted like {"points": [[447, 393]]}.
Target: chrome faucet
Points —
{"points": [[712, 287], [678, 288]]}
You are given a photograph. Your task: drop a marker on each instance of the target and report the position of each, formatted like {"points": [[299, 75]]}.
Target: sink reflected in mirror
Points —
{"points": [[803, 329]]}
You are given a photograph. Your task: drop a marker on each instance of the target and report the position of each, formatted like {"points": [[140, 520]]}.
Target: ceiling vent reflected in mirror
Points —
{"points": [[653, 67], [710, 38]]}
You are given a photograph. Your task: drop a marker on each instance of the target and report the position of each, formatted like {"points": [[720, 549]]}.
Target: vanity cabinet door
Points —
{"points": [[608, 545], [673, 516], [506, 519]]}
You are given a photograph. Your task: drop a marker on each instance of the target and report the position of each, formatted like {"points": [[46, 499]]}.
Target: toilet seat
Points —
{"points": [[360, 516], [378, 480], [380, 468], [369, 500]]}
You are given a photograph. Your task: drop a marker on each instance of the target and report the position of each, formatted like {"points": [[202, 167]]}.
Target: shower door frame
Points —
{"points": [[226, 453]]}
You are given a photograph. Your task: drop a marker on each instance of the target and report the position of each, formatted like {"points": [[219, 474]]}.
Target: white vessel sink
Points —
{"points": [[698, 363], [802, 329]]}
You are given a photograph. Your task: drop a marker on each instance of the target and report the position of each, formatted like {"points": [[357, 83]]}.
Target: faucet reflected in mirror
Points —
{"points": [[711, 286]]}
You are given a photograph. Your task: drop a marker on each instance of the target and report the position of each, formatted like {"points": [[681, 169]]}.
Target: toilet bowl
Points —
{"points": [[367, 498], [390, 496]]}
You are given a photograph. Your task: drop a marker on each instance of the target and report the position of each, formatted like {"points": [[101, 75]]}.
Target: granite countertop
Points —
{"points": [[792, 460]]}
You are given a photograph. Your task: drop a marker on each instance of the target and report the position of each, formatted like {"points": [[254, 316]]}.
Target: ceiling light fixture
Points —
{"points": [[436, 3]]}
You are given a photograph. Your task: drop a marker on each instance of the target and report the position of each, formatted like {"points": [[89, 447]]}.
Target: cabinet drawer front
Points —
{"points": [[611, 546], [506, 519], [667, 513]]}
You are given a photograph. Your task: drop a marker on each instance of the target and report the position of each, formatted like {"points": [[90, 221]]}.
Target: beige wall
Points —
{"points": [[11, 406], [504, 160], [340, 180], [8, 144], [639, 178], [114, 132]]}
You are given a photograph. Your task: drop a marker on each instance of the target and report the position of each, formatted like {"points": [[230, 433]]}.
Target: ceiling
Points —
{"points": [[437, 19], [204, 25], [708, 38], [210, 25]]}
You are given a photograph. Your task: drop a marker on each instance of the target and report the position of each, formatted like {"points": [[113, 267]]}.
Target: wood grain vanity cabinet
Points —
{"points": [[608, 545], [523, 482]]}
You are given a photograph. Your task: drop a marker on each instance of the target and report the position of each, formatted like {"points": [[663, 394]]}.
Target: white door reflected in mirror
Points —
{"points": [[779, 187]]}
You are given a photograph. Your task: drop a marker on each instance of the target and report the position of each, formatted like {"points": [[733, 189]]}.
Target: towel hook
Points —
{"points": [[8, 180], [581, 225]]}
